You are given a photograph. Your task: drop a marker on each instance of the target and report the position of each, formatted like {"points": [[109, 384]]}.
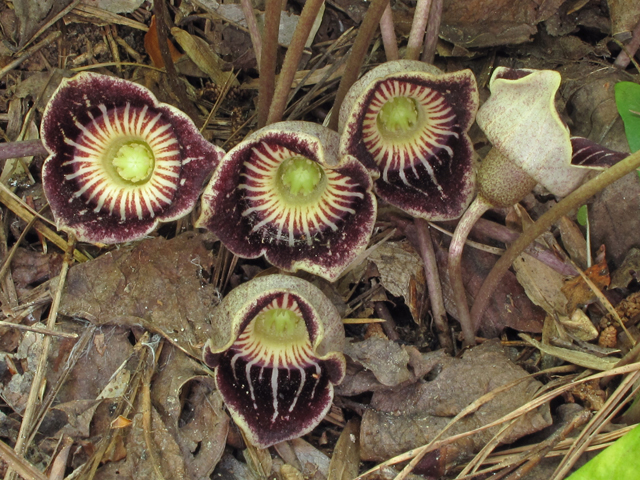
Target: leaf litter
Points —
{"points": [[137, 403]]}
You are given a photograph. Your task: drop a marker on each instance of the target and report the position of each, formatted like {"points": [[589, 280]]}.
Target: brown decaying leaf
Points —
{"points": [[615, 218], [401, 273], [479, 23], [576, 289], [405, 418], [200, 52], [152, 47], [16, 391], [191, 410], [573, 241], [30, 267], [157, 283], [509, 306], [387, 360], [346, 454], [542, 284], [628, 271]]}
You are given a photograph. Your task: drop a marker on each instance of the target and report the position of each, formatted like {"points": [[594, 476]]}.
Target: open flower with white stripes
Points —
{"points": [[276, 349], [286, 194], [408, 121], [121, 162]]}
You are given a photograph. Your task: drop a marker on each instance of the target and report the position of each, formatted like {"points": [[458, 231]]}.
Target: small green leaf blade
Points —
{"points": [[583, 215], [628, 103], [619, 461]]}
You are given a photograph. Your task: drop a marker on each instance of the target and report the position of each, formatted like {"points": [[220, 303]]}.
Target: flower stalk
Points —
{"points": [[292, 59], [571, 202]]}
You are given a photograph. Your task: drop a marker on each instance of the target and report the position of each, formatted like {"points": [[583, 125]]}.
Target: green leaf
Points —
{"points": [[582, 216], [619, 461], [628, 103]]}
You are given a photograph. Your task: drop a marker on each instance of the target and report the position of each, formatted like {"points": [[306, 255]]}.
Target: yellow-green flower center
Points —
{"points": [[134, 162], [280, 327], [300, 180], [398, 117]]}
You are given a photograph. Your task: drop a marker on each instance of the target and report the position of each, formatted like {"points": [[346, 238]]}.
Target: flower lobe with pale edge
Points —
{"points": [[277, 355], [121, 162], [284, 193], [410, 127]]}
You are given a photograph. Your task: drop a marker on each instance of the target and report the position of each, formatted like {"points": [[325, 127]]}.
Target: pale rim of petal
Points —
{"points": [[520, 120], [244, 209], [79, 101]]}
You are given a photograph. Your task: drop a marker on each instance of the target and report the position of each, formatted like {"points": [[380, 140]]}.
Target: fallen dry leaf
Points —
{"points": [[346, 454], [509, 306], [401, 273], [628, 271], [16, 391], [200, 52], [576, 289], [192, 411], [409, 417], [152, 46], [387, 360], [615, 218], [542, 284], [573, 241], [156, 283], [481, 23]]}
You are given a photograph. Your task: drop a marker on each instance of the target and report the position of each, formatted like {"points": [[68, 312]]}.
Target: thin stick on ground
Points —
{"points": [[38, 377], [19, 465], [613, 405], [29, 52], [416, 454], [254, 33], [389, 325], [176, 85]]}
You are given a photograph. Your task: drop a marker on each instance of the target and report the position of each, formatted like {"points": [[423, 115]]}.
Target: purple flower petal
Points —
{"points": [[589, 154], [428, 169], [277, 386], [87, 121], [247, 206]]}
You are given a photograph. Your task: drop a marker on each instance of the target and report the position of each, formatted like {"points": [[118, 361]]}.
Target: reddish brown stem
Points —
{"points": [[420, 18], [630, 49], [28, 148], [388, 32], [389, 325], [573, 200], [292, 59], [431, 35], [268, 59], [469, 218], [358, 53], [434, 285]]}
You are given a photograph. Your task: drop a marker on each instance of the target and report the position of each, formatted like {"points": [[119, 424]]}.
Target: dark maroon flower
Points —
{"points": [[277, 352], [284, 193], [408, 121], [121, 162]]}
